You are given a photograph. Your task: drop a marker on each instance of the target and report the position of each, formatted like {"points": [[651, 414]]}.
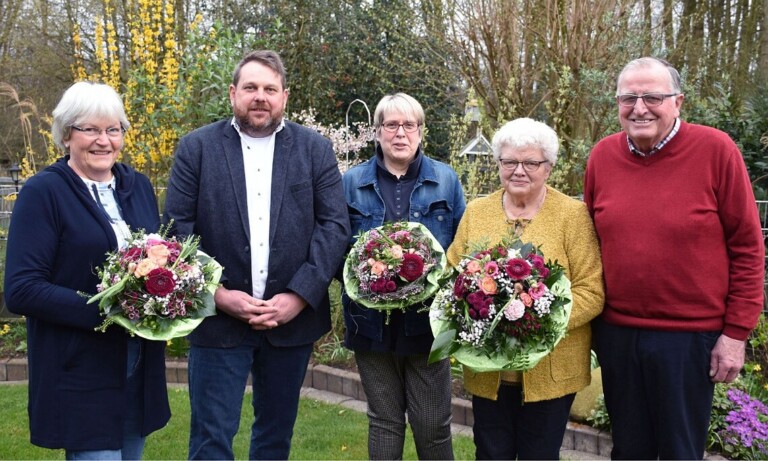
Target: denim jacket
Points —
{"points": [[437, 202]]}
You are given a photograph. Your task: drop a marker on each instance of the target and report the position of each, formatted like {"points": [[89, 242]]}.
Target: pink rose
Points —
{"points": [[473, 266], [397, 251], [537, 290], [526, 299]]}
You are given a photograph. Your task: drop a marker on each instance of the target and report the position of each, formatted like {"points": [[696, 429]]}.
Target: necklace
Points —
{"points": [[520, 222]]}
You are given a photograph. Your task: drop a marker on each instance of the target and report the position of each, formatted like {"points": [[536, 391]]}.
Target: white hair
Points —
{"points": [[83, 102], [525, 132]]}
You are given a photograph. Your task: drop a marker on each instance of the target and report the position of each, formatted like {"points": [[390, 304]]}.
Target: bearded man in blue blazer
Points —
{"points": [[265, 196]]}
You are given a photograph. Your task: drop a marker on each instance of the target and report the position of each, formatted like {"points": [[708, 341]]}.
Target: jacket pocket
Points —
{"points": [[438, 218], [568, 361]]}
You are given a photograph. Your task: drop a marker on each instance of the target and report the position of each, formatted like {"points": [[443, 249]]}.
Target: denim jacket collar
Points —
{"points": [[368, 175]]}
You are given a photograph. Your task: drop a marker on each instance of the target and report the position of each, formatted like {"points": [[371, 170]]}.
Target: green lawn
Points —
{"points": [[322, 432]]}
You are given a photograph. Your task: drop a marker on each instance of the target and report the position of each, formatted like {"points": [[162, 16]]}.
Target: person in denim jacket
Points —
{"points": [[400, 183]]}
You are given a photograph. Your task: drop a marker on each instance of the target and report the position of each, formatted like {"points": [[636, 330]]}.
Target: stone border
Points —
{"points": [[578, 437]]}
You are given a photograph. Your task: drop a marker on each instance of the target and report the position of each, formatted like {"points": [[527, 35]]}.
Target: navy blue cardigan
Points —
{"points": [[77, 376]]}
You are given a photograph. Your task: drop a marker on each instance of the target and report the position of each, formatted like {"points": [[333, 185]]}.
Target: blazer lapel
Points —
{"points": [[233, 153], [280, 164]]}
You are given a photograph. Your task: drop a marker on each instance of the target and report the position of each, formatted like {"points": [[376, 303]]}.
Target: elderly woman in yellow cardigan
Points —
{"points": [[524, 415]]}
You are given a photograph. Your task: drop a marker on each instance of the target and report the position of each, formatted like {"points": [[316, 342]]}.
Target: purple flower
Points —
{"points": [[747, 422]]}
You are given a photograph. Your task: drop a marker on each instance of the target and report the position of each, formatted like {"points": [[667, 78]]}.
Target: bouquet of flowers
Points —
{"points": [[394, 266], [156, 287], [505, 310]]}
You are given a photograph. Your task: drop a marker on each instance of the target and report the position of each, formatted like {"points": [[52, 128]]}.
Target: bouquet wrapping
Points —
{"points": [[506, 309], [394, 266], [156, 287]]}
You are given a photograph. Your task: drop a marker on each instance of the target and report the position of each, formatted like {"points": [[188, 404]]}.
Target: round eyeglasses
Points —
{"points": [[528, 165], [96, 132], [650, 99], [408, 127]]}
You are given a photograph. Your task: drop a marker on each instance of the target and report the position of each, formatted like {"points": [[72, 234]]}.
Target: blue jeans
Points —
{"points": [[133, 442], [217, 380]]}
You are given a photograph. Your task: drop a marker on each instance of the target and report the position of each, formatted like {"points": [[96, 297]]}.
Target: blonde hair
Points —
{"points": [[400, 103]]}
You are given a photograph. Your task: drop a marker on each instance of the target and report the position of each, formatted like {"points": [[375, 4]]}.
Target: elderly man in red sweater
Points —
{"points": [[683, 256]]}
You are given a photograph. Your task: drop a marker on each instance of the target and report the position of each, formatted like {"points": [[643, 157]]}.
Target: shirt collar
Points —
{"points": [[633, 148], [413, 167], [237, 127]]}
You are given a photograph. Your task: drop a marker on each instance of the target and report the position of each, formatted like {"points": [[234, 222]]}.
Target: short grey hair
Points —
{"points": [[524, 133], [675, 83], [82, 103], [400, 103]]}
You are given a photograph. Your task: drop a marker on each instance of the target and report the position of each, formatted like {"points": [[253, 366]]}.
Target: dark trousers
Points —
{"points": [[507, 428], [657, 390], [396, 386]]}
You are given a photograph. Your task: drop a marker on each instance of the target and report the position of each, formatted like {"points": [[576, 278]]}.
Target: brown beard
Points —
{"points": [[258, 131]]}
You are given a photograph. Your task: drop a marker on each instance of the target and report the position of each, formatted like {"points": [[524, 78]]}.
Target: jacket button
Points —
{"points": [[440, 218], [246, 249], [416, 214]]}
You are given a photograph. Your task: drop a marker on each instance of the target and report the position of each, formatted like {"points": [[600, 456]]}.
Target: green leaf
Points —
{"points": [[443, 345]]}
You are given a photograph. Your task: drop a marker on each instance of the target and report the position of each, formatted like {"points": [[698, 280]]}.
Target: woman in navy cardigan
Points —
{"points": [[96, 395]]}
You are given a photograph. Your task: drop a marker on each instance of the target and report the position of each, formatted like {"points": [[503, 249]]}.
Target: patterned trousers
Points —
{"points": [[396, 386]]}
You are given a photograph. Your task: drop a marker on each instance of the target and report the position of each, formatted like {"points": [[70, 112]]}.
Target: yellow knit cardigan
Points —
{"points": [[565, 232]]}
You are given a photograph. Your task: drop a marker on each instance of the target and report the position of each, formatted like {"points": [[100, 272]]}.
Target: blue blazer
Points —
{"points": [[77, 376], [309, 225]]}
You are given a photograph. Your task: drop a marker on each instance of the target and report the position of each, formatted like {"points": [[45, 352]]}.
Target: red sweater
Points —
{"points": [[679, 233]]}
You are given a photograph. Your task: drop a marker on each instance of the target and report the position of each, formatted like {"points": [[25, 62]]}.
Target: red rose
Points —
{"points": [[412, 267], [160, 282]]}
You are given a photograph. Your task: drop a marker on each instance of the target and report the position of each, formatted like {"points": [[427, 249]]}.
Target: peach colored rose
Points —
{"points": [[518, 288], [526, 299], [144, 267], [473, 266], [158, 254], [378, 268], [488, 285], [397, 251]]}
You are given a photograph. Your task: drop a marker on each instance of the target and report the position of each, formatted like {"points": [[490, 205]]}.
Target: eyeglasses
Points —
{"points": [[96, 132], [408, 127], [528, 165], [650, 99]]}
